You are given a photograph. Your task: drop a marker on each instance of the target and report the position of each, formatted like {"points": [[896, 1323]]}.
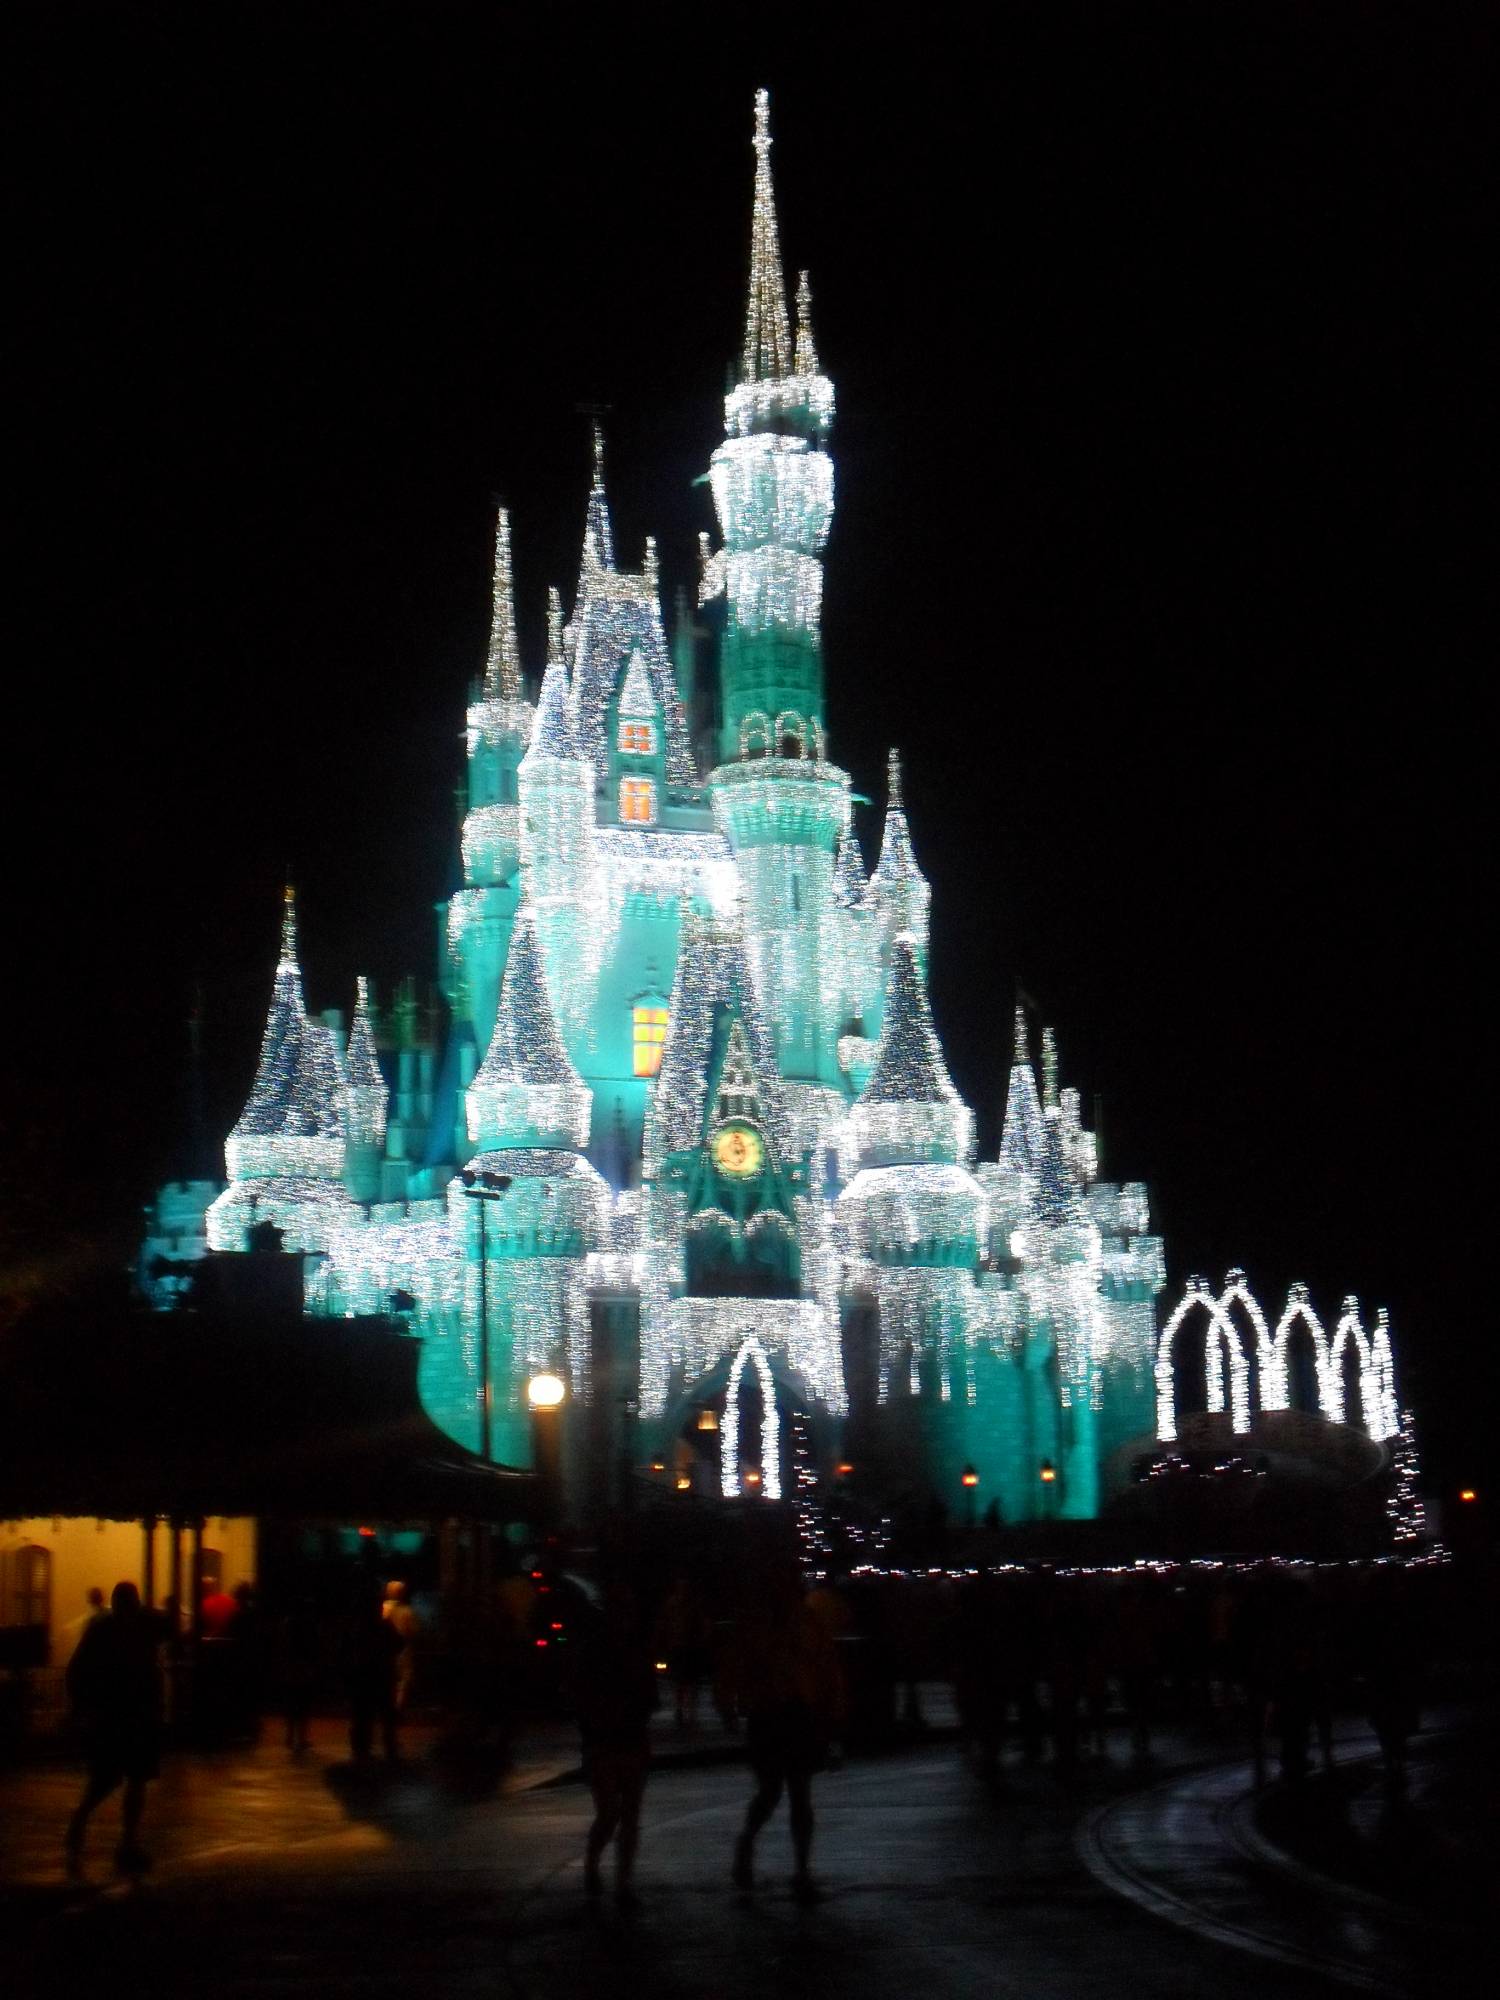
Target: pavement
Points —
{"points": [[282, 1876]]}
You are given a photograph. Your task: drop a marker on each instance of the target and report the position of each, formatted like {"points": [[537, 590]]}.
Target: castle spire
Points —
{"points": [[367, 1096], [288, 956], [768, 346], [598, 533], [805, 361], [1049, 1069], [527, 1092], [909, 1111], [898, 887], [552, 733], [502, 673], [1022, 1136], [291, 1122]]}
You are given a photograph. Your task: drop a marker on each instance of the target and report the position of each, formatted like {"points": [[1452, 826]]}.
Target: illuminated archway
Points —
{"points": [[753, 1353], [1221, 1344]]}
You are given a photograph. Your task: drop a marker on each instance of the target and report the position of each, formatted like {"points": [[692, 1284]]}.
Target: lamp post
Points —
{"points": [[969, 1480], [1047, 1472], [545, 1395], [484, 1187]]}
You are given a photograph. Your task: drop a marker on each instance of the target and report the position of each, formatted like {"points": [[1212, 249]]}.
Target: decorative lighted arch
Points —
{"points": [[1275, 1385], [1350, 1332], [1384, 1384], [789, 724], [755, 734], [1220, 1338], [1237, 1292], [770, 1431], [817, 740]]}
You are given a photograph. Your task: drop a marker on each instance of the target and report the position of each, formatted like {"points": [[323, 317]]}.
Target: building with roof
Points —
{"points": [[687, 1138]]}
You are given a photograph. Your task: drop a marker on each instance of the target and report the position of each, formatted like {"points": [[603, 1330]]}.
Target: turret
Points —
{"points": [[773, 490], [499, 725], [557, 825], [366, 1101], [527, 1092], [898, 888], [285, 1155], [909, 1113]]}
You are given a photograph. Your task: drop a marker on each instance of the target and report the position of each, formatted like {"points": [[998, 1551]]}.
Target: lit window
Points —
{"points": [[638, 739], [648, 1032], [637, 801]]}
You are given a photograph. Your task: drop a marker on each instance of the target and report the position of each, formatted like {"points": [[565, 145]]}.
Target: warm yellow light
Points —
{"points": [[844, 1468], [752, 1477], [707, 1421], [648, 1028], [684, 1483], [545, 1392], [1468, 1493], [1049, 1472], [970, 1478]]}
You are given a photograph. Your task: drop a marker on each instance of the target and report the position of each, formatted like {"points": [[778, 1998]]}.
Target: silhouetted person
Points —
{"points": [[402, 1618], [371, 1646], [790, 1691], [93, 1610], [114, 1684], [614, 1692]]}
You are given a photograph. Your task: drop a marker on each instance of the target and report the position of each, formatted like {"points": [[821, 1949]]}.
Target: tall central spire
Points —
{"points": [[768, 341]]}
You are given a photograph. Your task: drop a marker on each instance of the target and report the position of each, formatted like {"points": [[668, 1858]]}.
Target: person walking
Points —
{"points": [[614, 1694], [114, 1684], [789, 1688], [371, 1647]]}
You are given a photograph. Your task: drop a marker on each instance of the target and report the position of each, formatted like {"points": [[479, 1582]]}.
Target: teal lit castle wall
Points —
{"points": [[682, 1131]]}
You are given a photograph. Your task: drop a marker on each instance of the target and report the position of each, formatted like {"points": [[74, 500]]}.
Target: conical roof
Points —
{"points": [[768, 345], [366, 1086], [1021, 1137], [291, 1123], [527, 1092], [909, 1109], [898, 888], [553, 733]]}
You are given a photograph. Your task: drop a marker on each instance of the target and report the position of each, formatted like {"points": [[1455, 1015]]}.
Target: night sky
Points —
{"points": [[1164, 376]]}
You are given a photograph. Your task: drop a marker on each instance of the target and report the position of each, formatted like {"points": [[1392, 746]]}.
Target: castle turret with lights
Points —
{"points": [[684, 1136]]}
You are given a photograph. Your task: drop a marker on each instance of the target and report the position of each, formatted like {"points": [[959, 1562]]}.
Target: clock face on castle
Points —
{"points": [[738, 1151]]}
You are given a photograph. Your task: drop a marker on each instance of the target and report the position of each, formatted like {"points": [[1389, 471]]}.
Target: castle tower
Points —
{"points": [[782, 806], [499, 725], [899, 894], [914, 1217], [537, 1209], [557, 825], [285, 1156], [366, 1102]]}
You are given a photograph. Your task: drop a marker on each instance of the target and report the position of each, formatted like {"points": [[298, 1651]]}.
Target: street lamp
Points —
{"points": [[484, 1187], [545, 1391], [969, 1480], [545, 1394], [1047, 1472]]}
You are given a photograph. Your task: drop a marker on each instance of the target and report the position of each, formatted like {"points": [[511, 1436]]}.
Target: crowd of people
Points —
{"points": [[1065, 1667]]}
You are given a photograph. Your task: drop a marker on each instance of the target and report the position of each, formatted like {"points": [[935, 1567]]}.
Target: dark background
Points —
{"points": [[1165, 420]]}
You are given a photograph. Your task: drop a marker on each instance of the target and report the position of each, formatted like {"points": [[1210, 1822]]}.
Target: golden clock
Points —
{"points": [[738, 1150]]}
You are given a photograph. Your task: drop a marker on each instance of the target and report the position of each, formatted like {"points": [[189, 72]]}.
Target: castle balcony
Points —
{"points": [[781, 801]]}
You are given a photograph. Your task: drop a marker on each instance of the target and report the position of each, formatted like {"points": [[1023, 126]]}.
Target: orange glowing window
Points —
{"points": [[637, 802], [638, 738], [648, 1031]]}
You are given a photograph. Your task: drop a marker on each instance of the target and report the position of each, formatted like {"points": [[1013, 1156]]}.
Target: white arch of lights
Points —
{"points": [[753, 1353], [1372, 1351]]}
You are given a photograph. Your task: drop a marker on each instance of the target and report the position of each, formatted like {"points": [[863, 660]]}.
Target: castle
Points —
{"points": [[689, 1142]]}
